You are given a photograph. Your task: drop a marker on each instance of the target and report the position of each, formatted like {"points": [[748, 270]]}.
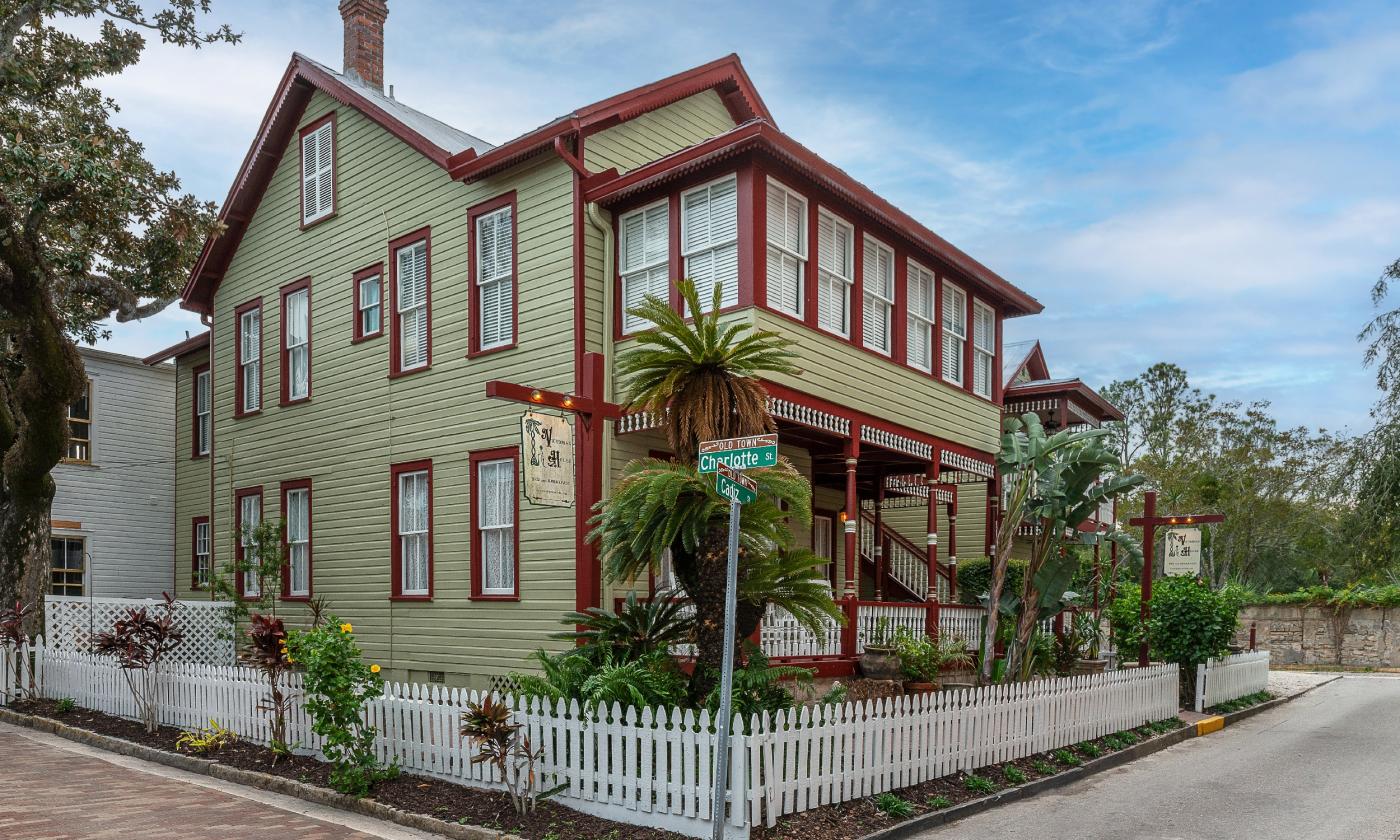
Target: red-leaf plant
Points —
{"points": [[266, 650], [139, 642], [13, 639], [491, 726]]}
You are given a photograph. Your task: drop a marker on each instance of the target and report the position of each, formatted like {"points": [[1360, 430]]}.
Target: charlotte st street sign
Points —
{"points": [[735, 486], [741, 453]]}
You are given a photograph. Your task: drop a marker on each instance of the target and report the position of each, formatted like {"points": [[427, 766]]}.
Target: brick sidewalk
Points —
{"points": [[51, 793]]}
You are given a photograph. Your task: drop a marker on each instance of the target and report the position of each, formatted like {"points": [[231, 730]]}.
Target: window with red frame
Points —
{"points": [[495, 528], [413, 529], [296, 514], [248, 515]]}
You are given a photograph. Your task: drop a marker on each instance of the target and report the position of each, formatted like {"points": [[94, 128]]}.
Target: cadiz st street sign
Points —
{"points": [[735, 486], [741, 453]]}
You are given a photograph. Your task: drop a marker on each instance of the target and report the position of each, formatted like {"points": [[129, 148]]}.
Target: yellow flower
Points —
{"points": [[374, 669], [346, 628]]}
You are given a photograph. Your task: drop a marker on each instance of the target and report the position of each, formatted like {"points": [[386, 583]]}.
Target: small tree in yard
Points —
{"points": [[338, 683], [14, 639], [264, 556], [139, 642], [266, 650], [492, 729]]}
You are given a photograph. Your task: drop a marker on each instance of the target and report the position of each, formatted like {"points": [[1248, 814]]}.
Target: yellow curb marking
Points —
{"points": [[1215, 723]]}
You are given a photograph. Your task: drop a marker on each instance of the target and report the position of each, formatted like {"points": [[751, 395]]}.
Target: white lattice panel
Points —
{"points": [[71, 622]]}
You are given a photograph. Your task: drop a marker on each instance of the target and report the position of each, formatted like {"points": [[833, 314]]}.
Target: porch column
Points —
{"points": [[877, 539], [931, 479], [852, 453], [993, 502], [953, 546]]}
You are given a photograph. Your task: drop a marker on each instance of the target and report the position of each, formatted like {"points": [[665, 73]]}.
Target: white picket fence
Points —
{"points": [[70, 622], [653, 766], [1231, 677]]}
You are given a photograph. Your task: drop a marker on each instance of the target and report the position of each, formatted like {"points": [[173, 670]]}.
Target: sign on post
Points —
{"points": [[735, 486], [547, 443], [1183, 552], [741, 453]]}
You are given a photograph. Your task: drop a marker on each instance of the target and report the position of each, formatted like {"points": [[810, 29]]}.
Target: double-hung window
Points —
{"points": [[954, 332], [494, 518], [318, 172], [411, 305], [80, 428], [920, 292], [835, 273], [645, 252], [413, 528], [710, 240], [199, 571], [296, 512], [203, 417], [249, 517], [369, 304], [69, 559], [495, 279], [296, 342], [787, 248], [250, 359], [878, 299], [984, 348]]}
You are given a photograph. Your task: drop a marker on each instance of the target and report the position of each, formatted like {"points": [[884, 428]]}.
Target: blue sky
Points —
{"points": [[1214, 184]]}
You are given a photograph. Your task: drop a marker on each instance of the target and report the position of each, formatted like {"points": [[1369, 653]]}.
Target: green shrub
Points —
{"points": [[938, 803], [1013, 774], [1190, 623], [1043, 767], [979, 784], [65, 705], [893, 806], [205, 741], [337, 684], [975, 577], [1125, 620], [1066, 758], [1351, 596], [1090, 749]]}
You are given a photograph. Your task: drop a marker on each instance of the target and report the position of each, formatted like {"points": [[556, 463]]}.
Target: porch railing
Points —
{"points": [[908, 563]]}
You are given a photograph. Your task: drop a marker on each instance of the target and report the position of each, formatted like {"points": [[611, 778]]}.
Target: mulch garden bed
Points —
{"points": [[417, 794], [857, 818]]}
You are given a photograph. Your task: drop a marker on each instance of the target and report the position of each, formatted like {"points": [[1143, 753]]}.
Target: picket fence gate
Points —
{"points": [[653, 766], [1231, 677]]}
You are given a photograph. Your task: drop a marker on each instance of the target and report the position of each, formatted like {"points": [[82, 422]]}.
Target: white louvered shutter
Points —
{"points": [[646, 250], [954, 332], [495, 276], [710, 239], [787, 248], [878, 299], [919, 337], [317, 174], [834, 267], [411, 277]]}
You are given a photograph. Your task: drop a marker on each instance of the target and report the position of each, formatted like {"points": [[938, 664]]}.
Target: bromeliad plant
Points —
{"points": [[16, 641], [139, 642], [338, 683], [266, 650]]}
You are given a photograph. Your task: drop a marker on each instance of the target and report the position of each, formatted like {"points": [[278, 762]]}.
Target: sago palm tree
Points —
{"points": [[707, 376]]}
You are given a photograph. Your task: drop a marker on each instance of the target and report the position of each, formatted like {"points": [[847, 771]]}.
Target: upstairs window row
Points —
{"points": [[407, 314], [709, 251]]}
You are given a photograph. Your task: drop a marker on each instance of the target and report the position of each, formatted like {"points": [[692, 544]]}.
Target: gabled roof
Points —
{"points": [[175, 351], [1030, 357], [433, 138], [759, 134], [1018, 355], [725, 76]]}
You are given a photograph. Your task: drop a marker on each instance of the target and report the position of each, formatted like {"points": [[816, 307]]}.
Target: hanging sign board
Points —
{"points": [[735, 486], [1183, 552], [741, 453], [547, 447]]}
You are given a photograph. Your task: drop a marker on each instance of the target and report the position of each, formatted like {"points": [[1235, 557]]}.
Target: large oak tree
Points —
{"points": [[89, 230]]}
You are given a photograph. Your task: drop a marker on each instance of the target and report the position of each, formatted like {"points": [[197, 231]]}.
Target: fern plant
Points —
{"points": [[758, 685], [649, 680], [637, 629]]}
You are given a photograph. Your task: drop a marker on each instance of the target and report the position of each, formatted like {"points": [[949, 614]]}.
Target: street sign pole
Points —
{"points": [[726, 689]]}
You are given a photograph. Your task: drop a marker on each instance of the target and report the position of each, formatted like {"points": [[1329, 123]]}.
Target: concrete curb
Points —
{"points": [[934, 819], [251, 778]]}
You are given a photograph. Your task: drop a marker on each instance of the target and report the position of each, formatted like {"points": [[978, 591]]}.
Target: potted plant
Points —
{"points": [[921, 659], [1084, 634], [879, 661]]}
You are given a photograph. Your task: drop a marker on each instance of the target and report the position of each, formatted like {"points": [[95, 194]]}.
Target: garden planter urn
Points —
{"points": [[880, 663], [918, 687], [1090, 666]]}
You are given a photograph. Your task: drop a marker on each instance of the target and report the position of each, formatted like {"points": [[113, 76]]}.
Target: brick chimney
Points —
{"points": [[364, 39]]}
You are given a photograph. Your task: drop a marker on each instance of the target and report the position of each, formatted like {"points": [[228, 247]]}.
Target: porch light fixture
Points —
{"points": [[536, 396], [841, 516], [568, 401]]}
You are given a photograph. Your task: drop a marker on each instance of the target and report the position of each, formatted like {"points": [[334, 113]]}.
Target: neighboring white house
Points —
{"points": [[115, 503]]}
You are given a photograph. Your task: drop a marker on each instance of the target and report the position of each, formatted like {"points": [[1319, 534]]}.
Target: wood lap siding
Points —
{"points": [[191, 474], [359, 421], [657, 133]]}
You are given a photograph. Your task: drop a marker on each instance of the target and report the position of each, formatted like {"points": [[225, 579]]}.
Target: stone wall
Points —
{"points": [[1308, 635]]}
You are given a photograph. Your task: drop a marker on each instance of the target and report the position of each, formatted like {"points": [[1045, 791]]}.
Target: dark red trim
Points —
{"points": [[746, 216], [255, 303], [283, 354], [195, 454], [284, 488], [396, 572], [357, 333], [238, 496], [475, 459], [175, 351], [301, 170], [1067, 388], [474, 320], [195, 522], [395, 357]]}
